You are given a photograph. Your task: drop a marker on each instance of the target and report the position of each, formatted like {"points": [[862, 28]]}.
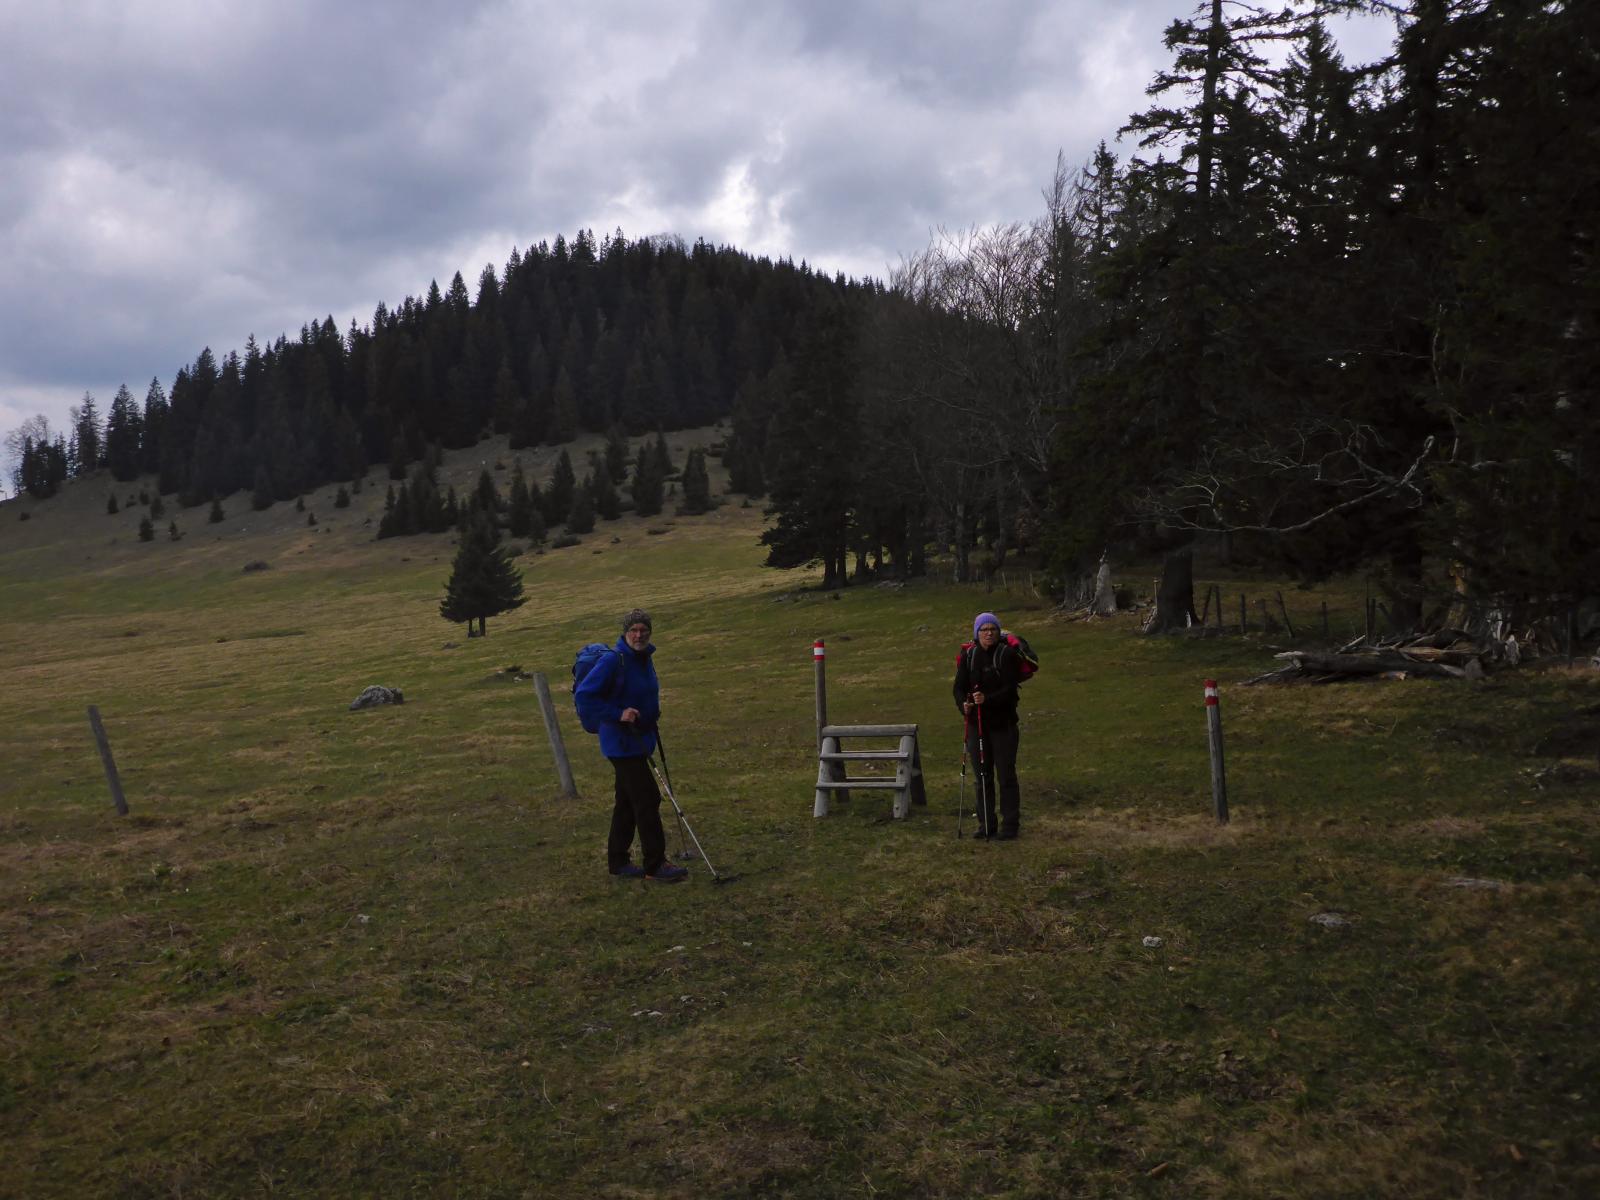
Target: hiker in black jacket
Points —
{"points": [[988, 671]]}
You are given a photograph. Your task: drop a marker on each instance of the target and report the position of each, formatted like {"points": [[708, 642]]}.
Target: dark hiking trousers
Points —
{"points": [[638, 807], [997, 764]]}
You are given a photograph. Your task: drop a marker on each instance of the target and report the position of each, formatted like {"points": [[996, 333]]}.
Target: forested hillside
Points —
{"points": [[1344, 317], [591, 336]]}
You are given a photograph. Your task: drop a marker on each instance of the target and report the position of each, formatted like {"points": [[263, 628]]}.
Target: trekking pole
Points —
{"points": [[666, 786], [983, 784], [961, 796], [665, 782]]}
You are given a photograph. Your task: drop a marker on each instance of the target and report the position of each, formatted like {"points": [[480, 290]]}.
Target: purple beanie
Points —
{"points": [[983, 619]]}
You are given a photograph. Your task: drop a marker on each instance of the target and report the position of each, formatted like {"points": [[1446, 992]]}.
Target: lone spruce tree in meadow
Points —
{"points": [[482, 582]]}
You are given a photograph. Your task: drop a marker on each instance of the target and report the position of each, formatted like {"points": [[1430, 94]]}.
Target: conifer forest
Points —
{"points": [[1338, 317]]}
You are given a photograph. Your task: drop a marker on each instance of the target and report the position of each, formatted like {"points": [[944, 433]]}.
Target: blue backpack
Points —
{"points": [[590, 657]]}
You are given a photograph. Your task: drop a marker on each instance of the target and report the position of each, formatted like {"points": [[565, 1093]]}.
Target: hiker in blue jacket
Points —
{"points": [[623, 698]]}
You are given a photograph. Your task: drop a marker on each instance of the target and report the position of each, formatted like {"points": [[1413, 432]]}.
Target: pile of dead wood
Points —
{"points": [[1443, 654]]}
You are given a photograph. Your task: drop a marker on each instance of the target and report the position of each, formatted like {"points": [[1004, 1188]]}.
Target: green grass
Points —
{"points": [[375, 953]]}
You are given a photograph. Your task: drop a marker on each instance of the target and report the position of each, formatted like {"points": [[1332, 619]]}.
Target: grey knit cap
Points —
{"points": [[637, 616]]}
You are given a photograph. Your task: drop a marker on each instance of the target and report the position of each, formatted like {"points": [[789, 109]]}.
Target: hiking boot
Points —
{"points": [[1007, 835], [668, 873], [979, 833], [628, 871]]}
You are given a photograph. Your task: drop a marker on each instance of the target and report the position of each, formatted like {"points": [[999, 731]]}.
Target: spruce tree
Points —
{"points": [[147, 530], [558, 496], [122, 436], [153, 427], [536, 526], [607, 504], [111, 504], [519, 504], [648, 485], [696, 485], [663, 456], [216, 514], [87, 436], [482, 582], [812, 485], [485, 497], [580, 518], [341, 498], [617, 454], [747, 441], [157, 508]]}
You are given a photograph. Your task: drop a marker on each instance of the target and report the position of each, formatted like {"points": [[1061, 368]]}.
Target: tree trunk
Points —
{"points": [[1174, 595], [963, 545], [1104, 603]]}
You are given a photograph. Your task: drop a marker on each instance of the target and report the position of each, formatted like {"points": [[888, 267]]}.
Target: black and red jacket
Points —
{"points": [[996, 673]]}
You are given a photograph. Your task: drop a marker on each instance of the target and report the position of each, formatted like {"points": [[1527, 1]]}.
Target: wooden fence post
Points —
{"points": [[819, 655], [107, 761], [558, 749], [1219, 776], [1284, 609]]}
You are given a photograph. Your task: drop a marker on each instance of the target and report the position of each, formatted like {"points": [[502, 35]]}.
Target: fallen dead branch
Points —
{"points": [[1445, 654]]}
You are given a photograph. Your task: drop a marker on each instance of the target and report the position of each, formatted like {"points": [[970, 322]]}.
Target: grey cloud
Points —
{"points": [[168, 182]]}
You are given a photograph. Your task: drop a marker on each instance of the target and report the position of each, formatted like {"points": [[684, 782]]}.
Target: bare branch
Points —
{"points": [[1224, 477]]}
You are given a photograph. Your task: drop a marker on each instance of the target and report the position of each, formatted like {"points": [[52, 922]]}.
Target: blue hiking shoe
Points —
{"points": [[628, 871], [668, 873]]}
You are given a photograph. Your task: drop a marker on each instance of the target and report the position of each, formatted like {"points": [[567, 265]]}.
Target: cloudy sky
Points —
{"points": [[183, 173]]}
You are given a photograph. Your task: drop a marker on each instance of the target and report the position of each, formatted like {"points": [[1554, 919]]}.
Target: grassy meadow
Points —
{"points": [[374, 953]]}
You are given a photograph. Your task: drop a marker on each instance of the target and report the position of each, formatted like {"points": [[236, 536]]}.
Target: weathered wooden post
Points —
{"points": [[558, 749], [1219, 776], [107, 761]]}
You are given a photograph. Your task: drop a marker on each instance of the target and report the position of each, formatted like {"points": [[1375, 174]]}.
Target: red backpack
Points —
{"points": [[1018, 643]]}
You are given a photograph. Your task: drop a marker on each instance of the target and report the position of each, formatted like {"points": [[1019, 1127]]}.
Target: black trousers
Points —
{"points": [[996, 765], [638, 806]]}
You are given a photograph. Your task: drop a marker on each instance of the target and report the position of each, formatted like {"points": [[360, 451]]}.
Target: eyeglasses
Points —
{"points": [[640, 629], [994, 629]]}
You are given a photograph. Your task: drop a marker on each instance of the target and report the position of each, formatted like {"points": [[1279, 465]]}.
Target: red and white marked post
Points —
{"points": [[1219, 775], [819, 657]]}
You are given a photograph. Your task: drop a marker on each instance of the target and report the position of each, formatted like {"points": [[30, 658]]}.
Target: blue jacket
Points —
{"points": [[624, 679]]}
